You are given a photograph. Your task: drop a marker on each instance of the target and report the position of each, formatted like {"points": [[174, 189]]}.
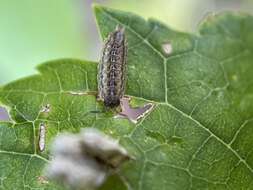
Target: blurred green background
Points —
{"points": [[34, 31]]}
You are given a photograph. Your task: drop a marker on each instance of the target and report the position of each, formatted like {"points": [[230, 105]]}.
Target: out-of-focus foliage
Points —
{"points": [[36, 31], [181, 14]]}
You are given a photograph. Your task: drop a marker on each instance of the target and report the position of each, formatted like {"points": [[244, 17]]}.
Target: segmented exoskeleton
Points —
{"points": [[112, 69]]}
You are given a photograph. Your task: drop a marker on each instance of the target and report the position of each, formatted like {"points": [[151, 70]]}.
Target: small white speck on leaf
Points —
{"points": [[43, 180], [45, 109], [167, 48], [83, 161]]}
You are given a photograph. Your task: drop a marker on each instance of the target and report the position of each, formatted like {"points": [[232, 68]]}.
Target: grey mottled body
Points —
{"points": [[112, 69]]}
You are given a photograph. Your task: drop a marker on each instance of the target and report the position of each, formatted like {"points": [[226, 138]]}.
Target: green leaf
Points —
{"points": [[200, 133]]}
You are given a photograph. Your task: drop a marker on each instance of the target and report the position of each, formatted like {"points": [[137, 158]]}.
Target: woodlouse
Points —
{"points": [[112, 69]]}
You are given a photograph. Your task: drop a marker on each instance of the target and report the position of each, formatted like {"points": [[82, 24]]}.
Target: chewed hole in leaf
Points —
{"points": [[133, 114], [4, 115]]}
